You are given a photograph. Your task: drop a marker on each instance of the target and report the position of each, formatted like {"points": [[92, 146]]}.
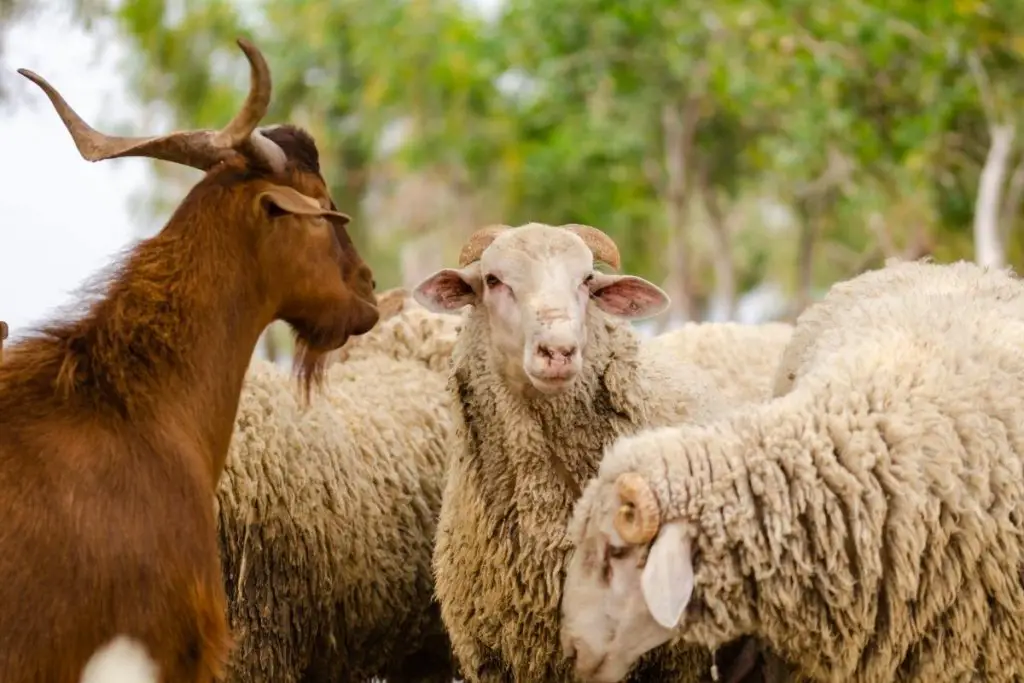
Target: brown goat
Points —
{"points": [[114, 427]]}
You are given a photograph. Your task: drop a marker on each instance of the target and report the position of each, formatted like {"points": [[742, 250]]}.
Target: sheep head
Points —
{"points": [[262, 212], [628, 580], [535, 283]]}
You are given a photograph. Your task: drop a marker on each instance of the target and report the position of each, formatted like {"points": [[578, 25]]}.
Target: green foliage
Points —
{"points": [[856, 114]]}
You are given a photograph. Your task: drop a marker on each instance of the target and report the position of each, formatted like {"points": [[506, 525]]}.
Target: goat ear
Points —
{"points": [[667, 579], [449, 289], [628, 296], [286, 200]]}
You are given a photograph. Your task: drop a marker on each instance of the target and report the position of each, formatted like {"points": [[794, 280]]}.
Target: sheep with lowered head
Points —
{"points": [[327, 516], [741, 359], [546, 371], [866, 526]]}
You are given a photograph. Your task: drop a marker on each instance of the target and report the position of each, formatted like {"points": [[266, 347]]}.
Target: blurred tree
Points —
{"points": [[766, 139]]}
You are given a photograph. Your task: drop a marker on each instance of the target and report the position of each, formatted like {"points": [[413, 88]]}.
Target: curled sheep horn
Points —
{"points": [[477, 242], [639, 516], [201, 149], [601, 245]]}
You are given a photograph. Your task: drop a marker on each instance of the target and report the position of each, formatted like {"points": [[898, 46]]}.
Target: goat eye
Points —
{"points": [[492, 281]]}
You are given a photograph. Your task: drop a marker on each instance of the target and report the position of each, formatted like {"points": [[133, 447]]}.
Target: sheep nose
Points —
{"points": [[557, 354]]}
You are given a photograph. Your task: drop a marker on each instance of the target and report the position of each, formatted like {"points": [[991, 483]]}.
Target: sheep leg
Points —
{"points": [[736, 662]]}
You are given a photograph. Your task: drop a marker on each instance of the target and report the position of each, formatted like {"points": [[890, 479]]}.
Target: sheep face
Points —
{"points": [[620, 599], [535, 283]]}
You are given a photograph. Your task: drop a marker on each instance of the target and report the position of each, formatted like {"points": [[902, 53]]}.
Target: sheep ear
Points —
{"points": [[628, 296], [667, 578], [449, 289]]}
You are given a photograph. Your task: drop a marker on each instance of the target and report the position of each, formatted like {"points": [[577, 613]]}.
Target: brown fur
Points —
{"points": [[114, 426]]}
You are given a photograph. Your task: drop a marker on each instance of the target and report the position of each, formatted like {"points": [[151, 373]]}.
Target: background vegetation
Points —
{"points": [[731, 148]]}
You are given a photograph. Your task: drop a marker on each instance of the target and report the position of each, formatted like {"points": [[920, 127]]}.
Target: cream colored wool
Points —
{"points": [[327, 520], [410, 331], [513, 479], [741, 359], [895, 280], [868, 525]]}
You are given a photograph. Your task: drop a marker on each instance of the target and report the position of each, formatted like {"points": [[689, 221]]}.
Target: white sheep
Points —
{"points": [[740, 359], [546, 372], [866, 526], [327, 516]]}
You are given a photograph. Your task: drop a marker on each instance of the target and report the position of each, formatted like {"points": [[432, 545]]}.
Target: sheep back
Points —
{"points": [[327, 518], [879, 501], [740, 359]]}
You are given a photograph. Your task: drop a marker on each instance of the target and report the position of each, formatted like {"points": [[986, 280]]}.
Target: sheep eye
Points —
{"points": [[617, 553], [492, 281]]}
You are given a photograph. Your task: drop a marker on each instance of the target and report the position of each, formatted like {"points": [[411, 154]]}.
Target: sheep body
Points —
{"points": [[327, 519], [740, 359], [501, 544], [867, 523]]}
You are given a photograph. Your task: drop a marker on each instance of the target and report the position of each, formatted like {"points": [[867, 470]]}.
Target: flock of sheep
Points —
{"points": [[846, 494], [501, 481]]}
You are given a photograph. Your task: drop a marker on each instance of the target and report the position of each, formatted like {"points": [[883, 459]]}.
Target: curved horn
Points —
{"points": [[601, 245], [638, 518], [477, 242], [201, 149]]}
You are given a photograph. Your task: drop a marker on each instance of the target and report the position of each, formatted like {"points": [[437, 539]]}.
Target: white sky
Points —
{"points": [[61, 218]]}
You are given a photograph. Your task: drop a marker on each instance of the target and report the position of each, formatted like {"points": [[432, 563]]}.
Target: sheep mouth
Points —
{"points": [[598, 672], [551, 385]]}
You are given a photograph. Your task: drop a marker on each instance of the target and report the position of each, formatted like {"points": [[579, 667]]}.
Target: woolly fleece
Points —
{"points": [[412, 332], [327, 520], [517, 470], [869, 524], [741, 359]]}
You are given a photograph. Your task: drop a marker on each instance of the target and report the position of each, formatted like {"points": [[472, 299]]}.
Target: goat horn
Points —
{"points": [[601, 245], [477, 242], [201, 149], [638, 518]]}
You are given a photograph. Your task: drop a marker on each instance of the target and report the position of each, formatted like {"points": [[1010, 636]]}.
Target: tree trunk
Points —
{"points": [[678, 123], [988, 247], [1012, 204], [725, 268], [805, 255]]}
